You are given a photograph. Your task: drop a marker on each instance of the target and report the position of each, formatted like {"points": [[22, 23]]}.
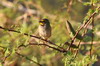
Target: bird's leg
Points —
{"points": [[45, 42]]}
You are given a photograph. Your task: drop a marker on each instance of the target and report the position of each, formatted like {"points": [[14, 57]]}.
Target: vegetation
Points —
{"points": [[75, 36]]}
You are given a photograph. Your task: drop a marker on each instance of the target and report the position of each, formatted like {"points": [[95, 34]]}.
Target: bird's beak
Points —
{"points": [[41, 23]]}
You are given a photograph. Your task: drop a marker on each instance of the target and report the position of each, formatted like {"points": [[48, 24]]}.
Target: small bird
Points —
{"points": [[44, 29]]}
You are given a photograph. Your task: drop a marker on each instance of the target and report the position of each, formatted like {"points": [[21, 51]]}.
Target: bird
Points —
{"points": [[44, 28], [44, 31]]}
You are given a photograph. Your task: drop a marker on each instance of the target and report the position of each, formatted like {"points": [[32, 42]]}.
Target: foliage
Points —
{"points": [[19, 21]]}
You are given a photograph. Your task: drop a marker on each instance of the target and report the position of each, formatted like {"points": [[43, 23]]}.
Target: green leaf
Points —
{"points": [[97, 10], [72, 31], [35, 59], [7, 52], [24, 28], [87, 3]]}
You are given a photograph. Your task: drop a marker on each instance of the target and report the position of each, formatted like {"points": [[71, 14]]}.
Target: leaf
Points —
{"points": [[7, 52], [24, 28], [87, 3], [97, 10], [35, 59], [72, 31], [70, 28]]}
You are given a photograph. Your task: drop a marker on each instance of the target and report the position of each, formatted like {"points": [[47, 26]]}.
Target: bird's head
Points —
{"points": [[44, 22]]}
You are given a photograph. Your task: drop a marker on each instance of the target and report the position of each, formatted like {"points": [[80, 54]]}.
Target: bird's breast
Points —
{"points": [[44, 32]]}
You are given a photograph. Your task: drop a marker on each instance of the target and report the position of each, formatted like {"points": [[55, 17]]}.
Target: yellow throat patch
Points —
{"points": [[41, 23]]}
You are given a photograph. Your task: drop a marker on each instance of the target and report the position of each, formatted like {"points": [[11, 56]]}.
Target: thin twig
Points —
{"points": [[92, 37], [2, 47], [69, 5], [85, 26], [79, 44], [28, 59], [57, 49], [92, 5], [85, 33], [5, 58], [32, 36], [94, 42], [60, 50], [81, 27]]}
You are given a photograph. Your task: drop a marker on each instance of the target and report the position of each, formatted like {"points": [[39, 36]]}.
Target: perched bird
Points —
{"points": [[44, 29]]}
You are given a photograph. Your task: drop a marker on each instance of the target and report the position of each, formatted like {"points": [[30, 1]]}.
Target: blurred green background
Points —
{"points": [[23, 16]]}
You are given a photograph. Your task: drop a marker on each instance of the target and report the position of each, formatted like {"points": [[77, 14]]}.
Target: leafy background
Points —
{"points": [[23, 16]]}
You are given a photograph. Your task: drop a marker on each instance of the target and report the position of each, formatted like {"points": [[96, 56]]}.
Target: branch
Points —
{"points": [[34, 37], [82, 43], [92, 32], [28, 59], [69, 5], [26, 34], [60, 50], [57, 49], [83, 26], [2, 47]]}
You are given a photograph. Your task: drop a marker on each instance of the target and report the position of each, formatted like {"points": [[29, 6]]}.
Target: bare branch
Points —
{"points": [[28, 59], [94, 43], [34, 37], [60, 50], [83, 26], [57, 49]]}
